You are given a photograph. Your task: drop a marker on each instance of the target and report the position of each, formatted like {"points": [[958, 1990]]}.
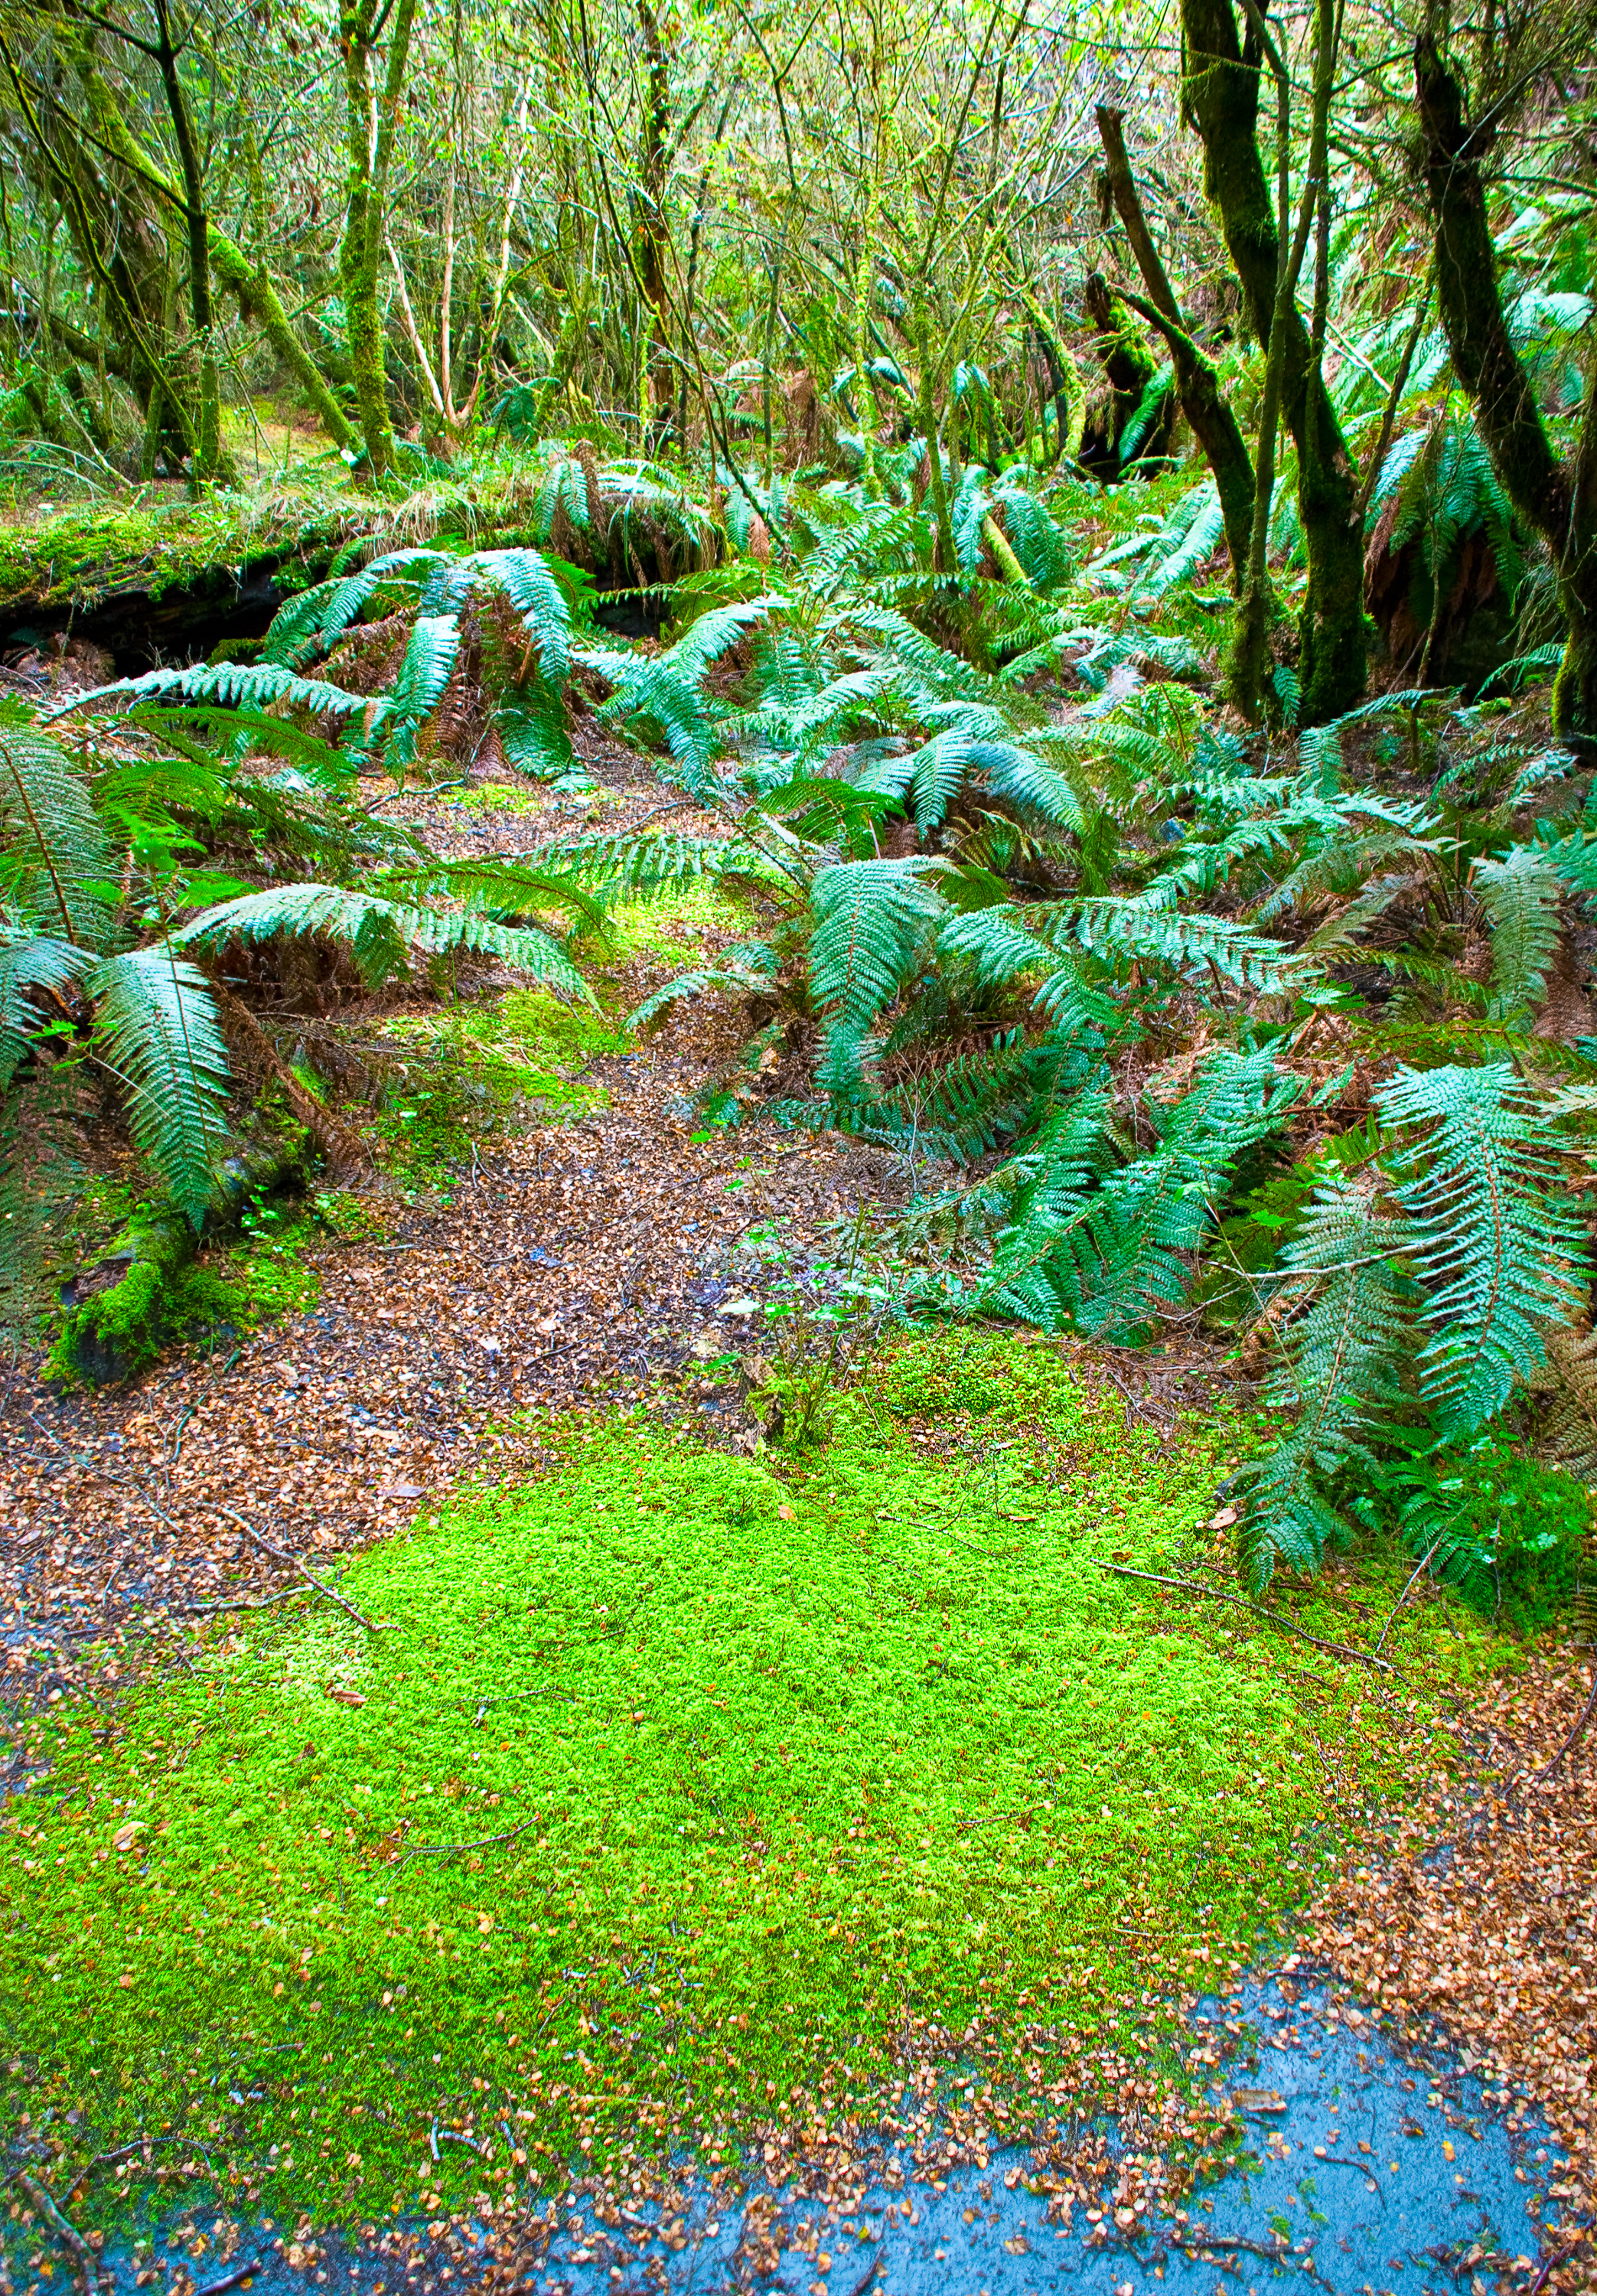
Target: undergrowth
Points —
{"points": [[682, 1794]]}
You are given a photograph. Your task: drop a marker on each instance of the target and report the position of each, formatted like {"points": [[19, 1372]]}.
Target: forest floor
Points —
{"points": [[870, 1797]]}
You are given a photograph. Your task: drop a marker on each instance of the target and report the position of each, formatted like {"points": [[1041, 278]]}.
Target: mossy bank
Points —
{"points": [[678, 1793]]}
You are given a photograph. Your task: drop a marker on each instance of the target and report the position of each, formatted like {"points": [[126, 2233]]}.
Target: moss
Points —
{"points": [[745, 1772], [672, 921], [167, 1294], [118, 1330], [470, 1071]]}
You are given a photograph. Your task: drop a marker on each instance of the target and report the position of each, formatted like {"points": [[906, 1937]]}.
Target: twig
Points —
{"points": [[449, 1848], [1276, 1618], [860, 2286], [234, 2279], [64, 2232], [372, 1626], [1583, 1717], [1551, 2264], [262, 1602], [1402, 1598], [136, 2150], [187, 1415]]}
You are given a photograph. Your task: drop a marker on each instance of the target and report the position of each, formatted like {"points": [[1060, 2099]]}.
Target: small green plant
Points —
{"points": [[821, 1320], [1508, 1534]]}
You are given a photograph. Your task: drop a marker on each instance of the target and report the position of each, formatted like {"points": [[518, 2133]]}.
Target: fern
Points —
{"points": [[1521, 895], [378, 931], [872, 919], [157, 1030], [427, 669], [1337, 1373], [231, 685], [55, 860], [30, 960], [1498, 1256]]}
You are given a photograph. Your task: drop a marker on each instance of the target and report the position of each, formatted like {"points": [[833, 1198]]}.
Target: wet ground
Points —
{"points": [[1363, 2169]]}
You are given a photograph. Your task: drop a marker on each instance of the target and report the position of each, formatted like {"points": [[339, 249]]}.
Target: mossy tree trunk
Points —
{"points": [[371, 120], [1129, 367], [1559, 502], [207, 458], [1198, 385], [249, 284], [117, 236], [1220, 97]]}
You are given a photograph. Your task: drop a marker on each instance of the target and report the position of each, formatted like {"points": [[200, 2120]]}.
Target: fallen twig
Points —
{"points": [[1421, 1565], [372, 1626], [1583, 1717], [449, 1848], [234, 2279], [260, 1603], [1276, 1618], [68, 2234]]}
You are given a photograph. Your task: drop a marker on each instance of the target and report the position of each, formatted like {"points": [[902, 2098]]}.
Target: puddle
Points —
{"points": [[1366, 2169]]}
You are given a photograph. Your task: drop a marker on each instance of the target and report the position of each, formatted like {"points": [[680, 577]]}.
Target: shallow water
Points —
{"points": [[1366, 2169]]}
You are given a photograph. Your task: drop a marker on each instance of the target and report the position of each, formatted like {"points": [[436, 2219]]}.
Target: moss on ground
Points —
{"points": [[470, 1069], [676, 1786]]}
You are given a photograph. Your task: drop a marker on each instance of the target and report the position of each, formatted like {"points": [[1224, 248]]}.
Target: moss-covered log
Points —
{"points": [[1559, 503], [1220, 98]]}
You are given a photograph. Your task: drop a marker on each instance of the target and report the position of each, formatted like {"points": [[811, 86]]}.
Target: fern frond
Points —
{"points": [[55, 859], [1339, 1374], [231, 685], [157, 1030], [428, 664], [1499, 1256], [872, 919], [30, 961], [1519, 893], [378, 931]]}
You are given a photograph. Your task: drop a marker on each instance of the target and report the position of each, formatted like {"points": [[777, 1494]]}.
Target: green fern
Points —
{"points": [[1521, 895], [1337, 1373], [379, 933], [1498, 1254], [55, 859], [157, 1031], [429, 664], [30, 960]]}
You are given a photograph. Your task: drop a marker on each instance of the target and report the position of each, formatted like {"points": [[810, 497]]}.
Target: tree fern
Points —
{"points": [[157, 1030]]}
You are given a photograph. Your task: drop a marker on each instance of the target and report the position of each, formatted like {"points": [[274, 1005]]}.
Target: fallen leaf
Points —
{"points": [[787, 1513], [126, 1836], [344, 1697], [1224, 1519]]}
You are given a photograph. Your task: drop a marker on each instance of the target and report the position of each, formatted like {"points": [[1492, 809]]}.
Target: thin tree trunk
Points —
{"points": [[1197, 383]]}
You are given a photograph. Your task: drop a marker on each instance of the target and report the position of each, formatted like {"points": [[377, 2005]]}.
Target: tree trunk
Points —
{"points": [[1220, 98], [1198, 385], [1130, 366], [371, 125], [1559, 504]]}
